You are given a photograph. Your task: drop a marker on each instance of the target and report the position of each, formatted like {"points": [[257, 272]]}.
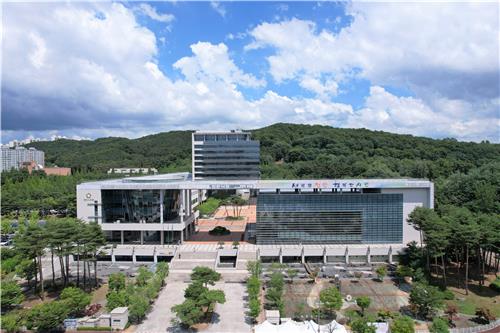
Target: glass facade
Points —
{"points": [[329, 218], [226, 156], [136, 206]]}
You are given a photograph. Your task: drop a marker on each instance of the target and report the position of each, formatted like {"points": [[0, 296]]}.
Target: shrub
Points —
{"points": [[439, 326], [11, 323], [363, 302], [11, 294], [403, 324], [381, 272], [48, 317], [331, 298], [485, 315], [92, 328], [219, 231], [495, 285], [448, 295], [362, 326], [76, 299]]}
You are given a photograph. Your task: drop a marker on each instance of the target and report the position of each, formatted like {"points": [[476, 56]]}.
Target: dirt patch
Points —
{"points": [[384, 295]]}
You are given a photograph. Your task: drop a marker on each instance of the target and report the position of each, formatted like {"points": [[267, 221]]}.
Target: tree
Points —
{"points": [[116, 281], [253, 286], [143, 276], [188, 312], [362, 326], [162, 271], [425, 300], [254, 306], [331, 299], [209, 297], [363, 302], [236, 244], [194, 290], [12, 294], [439, 326], [138, 306], [47, 317], [254, 267], [76, 299], [381, 272], [115, 299], [32, 242], [205, 275], [402, 324]]}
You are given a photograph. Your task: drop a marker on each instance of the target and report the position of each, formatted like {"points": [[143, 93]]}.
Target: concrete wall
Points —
{"points": [[85, 200], [412, 198]]}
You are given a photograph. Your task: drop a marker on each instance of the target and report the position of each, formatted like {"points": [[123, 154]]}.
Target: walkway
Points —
{"points": [[159, 319]]}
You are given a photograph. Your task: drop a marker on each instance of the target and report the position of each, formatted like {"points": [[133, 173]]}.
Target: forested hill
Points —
{"points": [[288, 151]]}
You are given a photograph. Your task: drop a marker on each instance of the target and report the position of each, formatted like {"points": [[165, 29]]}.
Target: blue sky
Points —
{"points": [[88, 70]]}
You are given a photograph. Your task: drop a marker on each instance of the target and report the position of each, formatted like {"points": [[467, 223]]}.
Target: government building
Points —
{"points": [[161, 209]]}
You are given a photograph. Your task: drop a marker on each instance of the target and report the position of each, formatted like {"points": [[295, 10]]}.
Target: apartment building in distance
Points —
{"points": [[225, 155], [14, 158]]}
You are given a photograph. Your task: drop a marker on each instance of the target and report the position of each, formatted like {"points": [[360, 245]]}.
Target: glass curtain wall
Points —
{"points": [[329, 218], [139, 206]]}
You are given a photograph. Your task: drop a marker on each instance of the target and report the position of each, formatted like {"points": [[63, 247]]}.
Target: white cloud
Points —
{"points": [[68, 70], [220, 9], [212, 62], [151, 12], [445, 53], [385, 111]]}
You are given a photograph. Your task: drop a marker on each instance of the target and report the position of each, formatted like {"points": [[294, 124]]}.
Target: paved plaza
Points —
{"points": [[228, 317]]}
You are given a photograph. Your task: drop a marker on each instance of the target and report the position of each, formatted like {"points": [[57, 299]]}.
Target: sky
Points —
{"points": [[88, 70]]}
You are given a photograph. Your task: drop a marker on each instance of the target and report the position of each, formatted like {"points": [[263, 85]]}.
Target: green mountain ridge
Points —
{"points": [[287, 151]]}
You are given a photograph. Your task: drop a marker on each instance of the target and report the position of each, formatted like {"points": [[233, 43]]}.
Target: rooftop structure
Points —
{"points": [[225, 155]]}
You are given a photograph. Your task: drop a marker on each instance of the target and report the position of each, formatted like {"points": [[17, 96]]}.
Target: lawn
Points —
{"points": [[478, 297], [209, 206]]}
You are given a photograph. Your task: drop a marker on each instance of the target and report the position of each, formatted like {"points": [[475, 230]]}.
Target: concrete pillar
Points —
{"points": [[142, 237], [303, 257], [347, 256], [162, 237], [281, 255], [324, 255], [368, 256], [162, 195], [122, 237], [134, 260], [257, 254], [155, 255], [390, 255], [182, 236], [112, 256]]}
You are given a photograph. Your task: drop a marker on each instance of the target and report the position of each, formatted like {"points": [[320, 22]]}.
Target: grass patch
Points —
{"points": [[485, 297], [209, 206]]}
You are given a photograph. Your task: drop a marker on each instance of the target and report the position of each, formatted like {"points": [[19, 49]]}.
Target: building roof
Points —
{"points": [[119, 310], [184, 180]]}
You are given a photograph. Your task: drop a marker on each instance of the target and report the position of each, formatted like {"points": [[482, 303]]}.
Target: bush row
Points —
{"points": [[137, 296]]}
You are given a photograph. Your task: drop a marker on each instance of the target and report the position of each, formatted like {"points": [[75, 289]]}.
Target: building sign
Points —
{"points": [[70, 323], [329, 184], [230, 186]]}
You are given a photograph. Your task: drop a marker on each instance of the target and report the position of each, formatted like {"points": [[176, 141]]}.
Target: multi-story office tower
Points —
{"points": [[225, 156], [14, 158]]}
